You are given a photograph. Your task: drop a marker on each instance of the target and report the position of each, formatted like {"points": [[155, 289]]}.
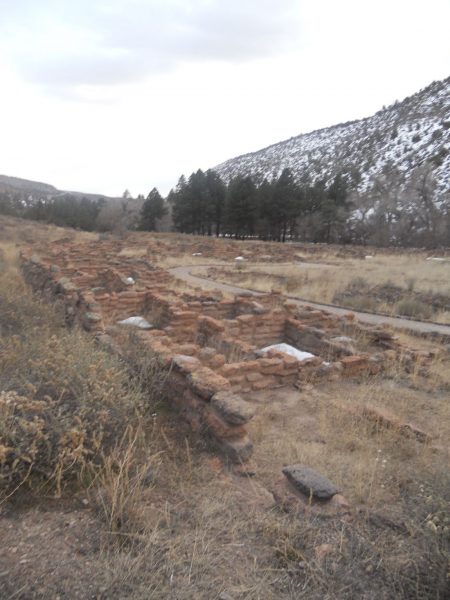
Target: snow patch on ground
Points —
{"points": [[300, 355], [138, 322]]}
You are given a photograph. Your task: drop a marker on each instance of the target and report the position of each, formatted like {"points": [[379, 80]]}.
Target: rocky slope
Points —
{"points": [[400, 141]]}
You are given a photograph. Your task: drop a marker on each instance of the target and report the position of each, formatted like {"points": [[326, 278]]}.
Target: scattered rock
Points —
{"points": [[291, 500], [309, 482]]}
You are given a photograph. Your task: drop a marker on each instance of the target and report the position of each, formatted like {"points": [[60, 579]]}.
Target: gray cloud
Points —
{"points": [[104, 42]]}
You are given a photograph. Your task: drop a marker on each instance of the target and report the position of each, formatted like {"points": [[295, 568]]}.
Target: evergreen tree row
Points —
{"points": [[390, 212], [64, 211], [278, 210]]}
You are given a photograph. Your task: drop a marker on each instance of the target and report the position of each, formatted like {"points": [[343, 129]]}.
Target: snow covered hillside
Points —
{"points": [[398, 144]]}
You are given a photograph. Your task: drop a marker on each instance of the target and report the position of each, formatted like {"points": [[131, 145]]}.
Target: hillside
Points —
{"points": [[36, 190], [397, 144], [13, 185]]}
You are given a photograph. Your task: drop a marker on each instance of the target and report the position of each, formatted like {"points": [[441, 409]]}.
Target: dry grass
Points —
{"points": [[324, 282], [380, 473], [64, 403]]}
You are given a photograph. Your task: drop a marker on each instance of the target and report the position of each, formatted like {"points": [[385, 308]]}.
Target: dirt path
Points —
{"points": [[421, 327]]}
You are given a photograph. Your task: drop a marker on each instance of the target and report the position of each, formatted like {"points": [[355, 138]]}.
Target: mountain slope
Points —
{"points": [[25, 186], [403, 139], [35, 190]]}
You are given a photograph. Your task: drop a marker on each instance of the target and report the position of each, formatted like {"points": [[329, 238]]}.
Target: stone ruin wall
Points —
{"points": [[208, 345]]}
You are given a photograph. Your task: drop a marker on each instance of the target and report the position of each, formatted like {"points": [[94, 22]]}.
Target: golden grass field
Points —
{"points": [[133, 505]]}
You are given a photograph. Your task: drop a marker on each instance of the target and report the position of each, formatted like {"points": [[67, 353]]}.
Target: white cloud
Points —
{"points": [[89, 42], [99, 99]]}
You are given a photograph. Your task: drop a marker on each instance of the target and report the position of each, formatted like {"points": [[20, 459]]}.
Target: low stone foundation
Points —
{"points": [[210, 346]]}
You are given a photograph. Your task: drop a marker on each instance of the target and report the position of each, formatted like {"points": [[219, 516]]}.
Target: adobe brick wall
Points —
{"points": [[208, 345]]}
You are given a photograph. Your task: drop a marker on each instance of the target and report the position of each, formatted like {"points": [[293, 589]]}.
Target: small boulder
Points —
{"points": [[309, 482]]}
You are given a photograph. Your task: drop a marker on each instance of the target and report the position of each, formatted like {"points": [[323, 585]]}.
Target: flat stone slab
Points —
{"points": [[232, 408], [309, 482], [205, 382], [289, 499]]}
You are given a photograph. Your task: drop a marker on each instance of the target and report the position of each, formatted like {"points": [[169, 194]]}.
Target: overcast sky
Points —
{"points": [[103, 95]]}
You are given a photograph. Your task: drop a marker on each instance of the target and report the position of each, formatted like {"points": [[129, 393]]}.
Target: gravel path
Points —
{"points": [[421, 327]]}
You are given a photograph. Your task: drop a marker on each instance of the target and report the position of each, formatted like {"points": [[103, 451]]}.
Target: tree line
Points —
{"points": [[278, 209], [390, 212], [64, 211]]}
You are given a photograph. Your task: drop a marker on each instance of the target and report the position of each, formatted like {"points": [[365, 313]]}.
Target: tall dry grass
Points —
{"points": [[65, 404]]}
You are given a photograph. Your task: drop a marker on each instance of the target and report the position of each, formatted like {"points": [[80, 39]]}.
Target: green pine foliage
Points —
{"points": [[279, 209], [152, 210]]}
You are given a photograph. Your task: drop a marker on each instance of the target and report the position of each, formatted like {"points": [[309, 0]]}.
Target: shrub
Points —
{"points": [[361, 303], [64, 403], [358, 283], [409, 307], [411, 284]]}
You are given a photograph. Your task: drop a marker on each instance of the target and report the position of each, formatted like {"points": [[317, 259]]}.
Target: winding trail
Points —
{"points": [[415, 327]]}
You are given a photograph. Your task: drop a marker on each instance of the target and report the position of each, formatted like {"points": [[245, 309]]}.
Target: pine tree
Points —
{"points": [[152, 210], [242, 207], [216, 191], [286, 205], [333, 209]]}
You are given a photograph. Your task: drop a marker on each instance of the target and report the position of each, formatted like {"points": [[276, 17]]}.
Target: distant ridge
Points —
{"points": [[36, 190]]}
